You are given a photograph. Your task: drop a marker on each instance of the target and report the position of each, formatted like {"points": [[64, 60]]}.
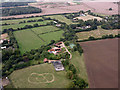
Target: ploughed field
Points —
{"points": [[101, 59], [36, 37], [39, 76]]}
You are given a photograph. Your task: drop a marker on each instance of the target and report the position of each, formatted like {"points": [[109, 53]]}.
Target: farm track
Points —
{"points": [[38, 35]]}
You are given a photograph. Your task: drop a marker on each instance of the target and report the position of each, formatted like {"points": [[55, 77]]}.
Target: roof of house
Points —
{"points": [[45, 59]]}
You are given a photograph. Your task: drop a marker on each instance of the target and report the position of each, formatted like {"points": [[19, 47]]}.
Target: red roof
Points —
{"points": [[45, 59]]}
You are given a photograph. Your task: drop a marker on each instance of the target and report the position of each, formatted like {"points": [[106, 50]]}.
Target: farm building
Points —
{"points": [[58, 65]]}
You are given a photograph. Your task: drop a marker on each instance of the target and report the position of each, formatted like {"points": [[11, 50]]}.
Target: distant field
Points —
{"points": [[31, 39], [61, 18], [96, 33], [15, 26], [79, 63], [16, 21], [39, 76], [88, 17]]}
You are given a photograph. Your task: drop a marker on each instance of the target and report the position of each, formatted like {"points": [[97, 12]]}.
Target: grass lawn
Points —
{"points": [[52, 36], [78, 62], [16, 21], [44, 29], [27, 40], [96, 33], [15, 26], [31, 77], [61, 18]]}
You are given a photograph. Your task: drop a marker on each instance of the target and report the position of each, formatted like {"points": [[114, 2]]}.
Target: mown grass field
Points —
{"points": [[61, 18], [32, 38], [96, 33], [15, 26], [79, 63], [21, 78]]}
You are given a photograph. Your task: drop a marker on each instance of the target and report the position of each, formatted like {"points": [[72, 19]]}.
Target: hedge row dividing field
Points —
{"points": [[15, 26], [30, 39], [16, 21], [96, 33]]}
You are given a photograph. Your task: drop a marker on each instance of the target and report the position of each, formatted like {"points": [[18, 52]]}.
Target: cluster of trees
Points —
{"points": [[77, 82], [14, 4], [20, 10]]}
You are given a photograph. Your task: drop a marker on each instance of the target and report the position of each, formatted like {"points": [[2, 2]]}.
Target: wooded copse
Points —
{"points": [[20, 10]]}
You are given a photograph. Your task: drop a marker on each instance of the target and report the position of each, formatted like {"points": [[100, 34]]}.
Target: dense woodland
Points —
{"points": [[14, 4], [20, 10]]}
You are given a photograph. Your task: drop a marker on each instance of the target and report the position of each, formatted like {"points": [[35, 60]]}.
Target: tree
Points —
{"points": [[69, 74]]}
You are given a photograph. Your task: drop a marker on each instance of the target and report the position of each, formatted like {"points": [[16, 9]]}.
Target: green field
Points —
{"points": [[31, 39], [52, 36], [96, 33], [39, 76], [15, 26], [45, 29], [16, 21], [61, 18], [78, 62]]}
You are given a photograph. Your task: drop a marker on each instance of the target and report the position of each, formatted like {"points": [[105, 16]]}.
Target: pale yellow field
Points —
{"points": [[88, 17], [96, 33]]}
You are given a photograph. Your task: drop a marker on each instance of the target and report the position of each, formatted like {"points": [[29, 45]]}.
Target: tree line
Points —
{"points": [[14, 4], [20, 10]]}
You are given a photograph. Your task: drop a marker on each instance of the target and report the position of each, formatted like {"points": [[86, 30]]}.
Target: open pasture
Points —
{"points": [[27, 40], [52, 36], [39, 76], [101, 59], [88, 17], [61, 18], [96, 33], [44, 29], [33, 38]]}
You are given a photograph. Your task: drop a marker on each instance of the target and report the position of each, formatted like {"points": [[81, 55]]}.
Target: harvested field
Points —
{"points": [[57, 8], [101, 59], [102, 7], [88, 17], [96, 33]]}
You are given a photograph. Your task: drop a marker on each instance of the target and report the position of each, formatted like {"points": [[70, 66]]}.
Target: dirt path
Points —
{"points": [[67, 50]]}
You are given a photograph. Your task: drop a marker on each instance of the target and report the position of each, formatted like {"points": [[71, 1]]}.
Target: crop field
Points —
{"points": [[96, 33], [33, 38], [61, 18], [101, 60], [15, 26], [78, 62], [39, 76], [88, 17]]}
